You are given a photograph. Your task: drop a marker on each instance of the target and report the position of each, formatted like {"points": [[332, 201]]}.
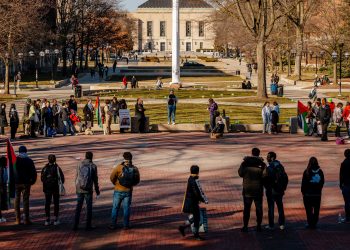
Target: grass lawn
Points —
{"points": [[345, 95], [8, 98], [195, 79], [181, 94], [252, 99], [198, 113]]}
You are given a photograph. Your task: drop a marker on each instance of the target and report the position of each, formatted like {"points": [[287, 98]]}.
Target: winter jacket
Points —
{"points": [[193, 195], [115, 108], [338, 116], [56, 109], [212, 108], [270, 178], [3, 119], [49, 178], [266, 114], [94, 177], [14, 119], [139, 111], [312, 182], [117, 173], [172, 100], [325, 114], [346, 113], [47, 116], [344, 175], [88, 113], [64, 114], [72, 104], [25, 170], [252, 170]]}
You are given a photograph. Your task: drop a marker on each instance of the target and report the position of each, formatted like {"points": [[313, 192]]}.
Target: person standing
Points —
{"points": [[140, 115], [3, 184], [344, 183], [56, 111], [106, 71], [25, 177], [108, 118], [114, 65], [122, 105], [275, 114], [26, 120], [212, 107], [115, 109], [134, 82], [193, 196], [172, 102], [324, 118], [346, 116], [3, 118], [266, 117], [47, 117], [125, 82], [276, 181], [311, 188], [310, 119], [338, 118], [252, 170], [89, 114], [124, 177], [67, 125], [51, 175], [14, 120], [86, 179], [34, 119], [72, 103]]}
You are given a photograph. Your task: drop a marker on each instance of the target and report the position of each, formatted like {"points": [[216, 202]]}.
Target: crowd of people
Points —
{"points": [[257, 176]]}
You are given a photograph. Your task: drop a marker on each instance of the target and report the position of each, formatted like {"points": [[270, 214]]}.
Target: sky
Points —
{"points": [[131, 5]]}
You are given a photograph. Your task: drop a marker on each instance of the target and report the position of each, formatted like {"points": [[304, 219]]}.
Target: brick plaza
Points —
{"points": [[164, 160]]}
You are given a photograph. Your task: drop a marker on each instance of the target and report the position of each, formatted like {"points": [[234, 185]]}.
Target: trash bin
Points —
{"points": [[280, 91], [238, 72], [78, 91]]}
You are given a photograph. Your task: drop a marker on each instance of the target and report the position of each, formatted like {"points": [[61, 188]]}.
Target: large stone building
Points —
{"points": [[154, 26]]}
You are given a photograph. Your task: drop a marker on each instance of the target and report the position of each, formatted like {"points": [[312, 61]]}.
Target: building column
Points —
{"points": [[176, 46]]}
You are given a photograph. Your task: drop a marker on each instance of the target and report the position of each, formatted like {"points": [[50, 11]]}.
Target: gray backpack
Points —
{"points": [[85, 177]]}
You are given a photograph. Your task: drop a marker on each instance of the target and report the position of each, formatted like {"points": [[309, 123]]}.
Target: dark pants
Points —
{"points": [[271, 200], [2, 130], [142, 124], [258, 207], [56, 203], [347, 127], [337, 131], [312, 208], [346, 196], [324, 131], [115, 118], [22, 189], [212, 122], [195, 220], [55, 121], [32, 128], [80, 202], [13, 131]]}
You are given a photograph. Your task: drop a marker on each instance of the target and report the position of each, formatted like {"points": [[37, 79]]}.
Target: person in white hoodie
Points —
{"points": [[266, 117]]}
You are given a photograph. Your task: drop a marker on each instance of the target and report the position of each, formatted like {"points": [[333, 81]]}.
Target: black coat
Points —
{"points": [[3, 118], [72, 104], [88, 113], [47, 116], [344, 175], [312, 183], [192, 196], [25, 172], [49, 178], [324, 114], [14, 119], [139, 111]]}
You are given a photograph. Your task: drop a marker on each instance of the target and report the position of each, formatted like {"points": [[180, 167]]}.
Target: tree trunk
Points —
{"points": [[299, 51], [261, 55], [289, 65], [7, 76], [335, 73], [280, 62], [64, 61], [87, 57]]}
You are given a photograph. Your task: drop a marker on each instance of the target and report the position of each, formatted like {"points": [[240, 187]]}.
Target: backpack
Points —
{"points": [[171, 101], [85, 177], [130, 176], [340, 141], [280, 179], [50, 178]]}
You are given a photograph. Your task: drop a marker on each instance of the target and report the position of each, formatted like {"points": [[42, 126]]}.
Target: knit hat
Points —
{"points": [[22, 149]]}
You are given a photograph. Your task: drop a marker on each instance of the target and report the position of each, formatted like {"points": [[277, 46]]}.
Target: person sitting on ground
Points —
{"points": [[193, 196], [75, 120], [249, 85], [219, 128], [244, 84]]}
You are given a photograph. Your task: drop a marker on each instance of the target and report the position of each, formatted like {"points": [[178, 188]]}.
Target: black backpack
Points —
{"points": [[280, 179], [50, 177], [130, 176], [85, 181]]}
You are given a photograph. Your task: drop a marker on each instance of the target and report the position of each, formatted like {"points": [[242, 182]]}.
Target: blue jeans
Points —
{"points": [[80, 202], [118, 198], [171, 113], [67, 125]]}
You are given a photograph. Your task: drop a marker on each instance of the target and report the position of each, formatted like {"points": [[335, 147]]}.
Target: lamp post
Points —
{"points": [[176, 45], [51, 53], [316, 56], [32, 54]]}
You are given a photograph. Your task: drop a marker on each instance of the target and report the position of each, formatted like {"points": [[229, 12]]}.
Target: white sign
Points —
{"points": [[124, 118]]}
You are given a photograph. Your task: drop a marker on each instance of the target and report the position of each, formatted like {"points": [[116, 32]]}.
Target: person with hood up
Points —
{"points": [[3, 119]]}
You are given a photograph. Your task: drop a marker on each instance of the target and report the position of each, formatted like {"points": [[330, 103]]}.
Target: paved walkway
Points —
{"points": [[164, 160]]}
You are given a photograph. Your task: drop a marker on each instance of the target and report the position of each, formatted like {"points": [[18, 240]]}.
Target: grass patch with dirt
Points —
{"points": [[252, 99]]}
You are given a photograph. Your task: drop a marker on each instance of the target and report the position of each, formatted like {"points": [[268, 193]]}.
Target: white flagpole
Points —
{"points": [[176, 46]]}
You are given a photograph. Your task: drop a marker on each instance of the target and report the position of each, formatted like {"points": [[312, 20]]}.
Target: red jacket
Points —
{"points": [[346, 113], [74, 118], [332, 106]]}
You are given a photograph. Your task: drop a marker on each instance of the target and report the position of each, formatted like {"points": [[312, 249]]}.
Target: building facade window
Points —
{"points": [[149, 28], [201, 29], [162, 28], [188, 28], [201, 45]]}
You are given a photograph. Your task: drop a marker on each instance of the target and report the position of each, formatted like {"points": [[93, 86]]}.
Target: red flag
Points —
{"points": [[301, 108], [11, 168]]}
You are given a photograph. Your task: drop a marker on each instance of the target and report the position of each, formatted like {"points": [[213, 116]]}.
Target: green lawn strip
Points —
{"points": [[345, 95], [153, 78], [279, 100], [8, 98]]}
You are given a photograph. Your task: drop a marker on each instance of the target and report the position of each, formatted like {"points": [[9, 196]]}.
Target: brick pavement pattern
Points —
{"points": [[164, 160]]}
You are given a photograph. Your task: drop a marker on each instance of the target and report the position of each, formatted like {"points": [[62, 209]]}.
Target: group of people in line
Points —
{"points": [[257, 176]]}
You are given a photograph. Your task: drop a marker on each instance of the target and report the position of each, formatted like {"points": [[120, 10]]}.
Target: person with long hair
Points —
{"points": [[311, 188], [14, 120]]}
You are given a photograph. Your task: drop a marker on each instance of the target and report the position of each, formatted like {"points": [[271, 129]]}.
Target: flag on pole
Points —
{"points": [[302, 113], [11, 168], [98, 112]]}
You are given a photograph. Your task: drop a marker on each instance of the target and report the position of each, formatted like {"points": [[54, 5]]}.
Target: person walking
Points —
{"points": [[89, 114], [324, 118], [14, 121], [140, 115], [51, 176], [311, 188], [346, 116], [115, 109], [172, 102], [86, 179], [212, 107], [252, 170], [266, 117], [134, 82], [67, 125], [338, 118], [124, 177], [193, 196], [344, 183], [25, 177], [3, 118], [276, 181]]}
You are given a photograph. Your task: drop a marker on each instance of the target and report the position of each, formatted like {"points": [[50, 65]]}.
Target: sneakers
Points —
{"points": [[174, 123], [258, 228], [56, 222], [244, 230], [199, 238], [112, 227], [182, 231], [47, 222], [269, 228], [282, 227], [2, 220]]}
